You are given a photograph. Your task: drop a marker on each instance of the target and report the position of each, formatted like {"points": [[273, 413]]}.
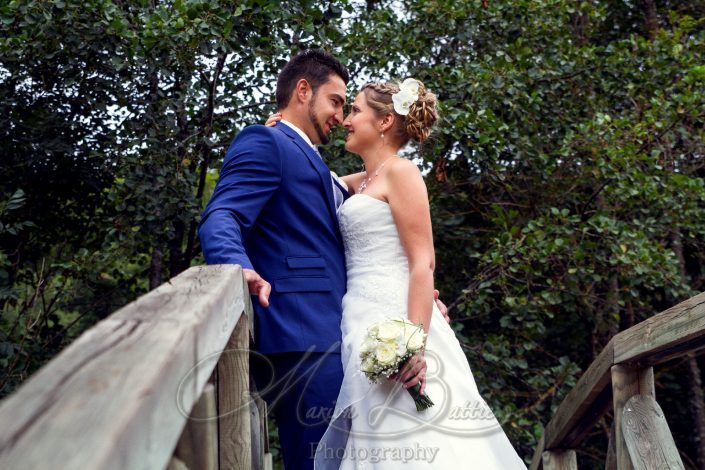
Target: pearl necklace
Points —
{"points": [[367, 180]]}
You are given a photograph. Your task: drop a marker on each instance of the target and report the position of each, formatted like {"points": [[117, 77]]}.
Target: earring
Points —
{"points": [[382, 134]]}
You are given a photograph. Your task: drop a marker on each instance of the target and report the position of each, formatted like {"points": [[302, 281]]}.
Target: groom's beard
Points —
{"points": [[313, 117]]}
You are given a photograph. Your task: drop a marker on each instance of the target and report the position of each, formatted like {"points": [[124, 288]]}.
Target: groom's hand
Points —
{"points": [[258, 286], [441, 306]]}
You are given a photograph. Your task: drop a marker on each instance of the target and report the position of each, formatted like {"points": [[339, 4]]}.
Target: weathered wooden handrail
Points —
{"points": [[621, 371], [121, 395]]}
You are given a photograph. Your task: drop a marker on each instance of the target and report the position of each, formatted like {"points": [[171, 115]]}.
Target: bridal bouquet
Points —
{"points": [[389, 344]]}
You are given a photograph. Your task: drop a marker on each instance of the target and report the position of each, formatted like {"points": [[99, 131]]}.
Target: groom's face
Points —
{"points": [[325, 110]]}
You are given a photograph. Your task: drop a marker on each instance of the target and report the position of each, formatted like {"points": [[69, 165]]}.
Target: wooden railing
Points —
{"points": [[164, 383], [161, 383], [622, 378]]}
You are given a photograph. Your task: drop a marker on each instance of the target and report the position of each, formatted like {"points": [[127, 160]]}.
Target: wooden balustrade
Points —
{"points": [[164, 383], [161, 383], [621, 378]]}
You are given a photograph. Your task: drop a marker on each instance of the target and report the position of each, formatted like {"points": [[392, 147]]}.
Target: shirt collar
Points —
{"points": [[300, 132]]}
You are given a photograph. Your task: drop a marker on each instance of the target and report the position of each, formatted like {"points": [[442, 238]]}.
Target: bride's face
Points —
{"points": [[363, 126]]}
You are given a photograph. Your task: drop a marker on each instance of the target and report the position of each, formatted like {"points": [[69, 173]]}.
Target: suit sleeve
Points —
{"points": [[250, 174]]}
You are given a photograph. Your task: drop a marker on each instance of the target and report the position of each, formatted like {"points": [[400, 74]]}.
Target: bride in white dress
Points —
{"points": [[386, 230]]}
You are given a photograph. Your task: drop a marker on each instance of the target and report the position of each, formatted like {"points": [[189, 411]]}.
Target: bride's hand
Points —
{"points": [[273, 119], [413, 372]]}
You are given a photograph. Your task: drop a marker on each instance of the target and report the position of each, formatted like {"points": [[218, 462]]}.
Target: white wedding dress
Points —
{"points": [[376, 426]]}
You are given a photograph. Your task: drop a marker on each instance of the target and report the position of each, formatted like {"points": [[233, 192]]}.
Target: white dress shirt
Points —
{"points": [[337, 193]]}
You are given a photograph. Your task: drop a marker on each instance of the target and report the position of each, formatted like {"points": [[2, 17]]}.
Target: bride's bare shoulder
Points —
{"points": [[405, 184], [402, 169]]}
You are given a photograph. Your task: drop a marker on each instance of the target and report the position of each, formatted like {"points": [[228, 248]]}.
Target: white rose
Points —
{"points": [[386, 354], [416, 341], [401, 349], [368, 345], [390, 330]]}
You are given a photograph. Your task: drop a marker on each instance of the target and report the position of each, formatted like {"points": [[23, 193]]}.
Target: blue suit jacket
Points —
{"points": [[273, 211]]}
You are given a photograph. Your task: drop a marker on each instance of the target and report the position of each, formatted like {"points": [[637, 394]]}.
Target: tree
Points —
{"points": [[565, 179]]}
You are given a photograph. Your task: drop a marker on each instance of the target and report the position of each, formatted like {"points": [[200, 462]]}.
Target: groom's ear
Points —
{"points": [[302, 90]]}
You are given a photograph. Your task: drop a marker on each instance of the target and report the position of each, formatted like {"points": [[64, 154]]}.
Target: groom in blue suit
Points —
{"points": [[273, 212]]}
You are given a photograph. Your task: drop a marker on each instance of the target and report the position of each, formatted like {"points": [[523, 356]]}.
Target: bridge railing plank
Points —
{"points": [[119, 396]]}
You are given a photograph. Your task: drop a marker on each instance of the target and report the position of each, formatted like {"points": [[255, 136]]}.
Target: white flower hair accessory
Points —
{"points": [[407, 95]]}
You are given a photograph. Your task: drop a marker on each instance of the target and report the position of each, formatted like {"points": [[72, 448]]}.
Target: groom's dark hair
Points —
{"points": [[314, 65]]}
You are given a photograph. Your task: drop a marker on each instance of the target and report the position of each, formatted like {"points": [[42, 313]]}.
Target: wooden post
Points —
{"points": [[176, 464], [235, 442], [260, 432], [537, 459], [267, 463], [559, 460], [627, 381], [647, 435], [198, 445], [646, 382], [611, 459], [256, 433]]}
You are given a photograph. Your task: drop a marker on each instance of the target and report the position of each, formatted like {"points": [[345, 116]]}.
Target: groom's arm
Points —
{"points": [[250, 174]]}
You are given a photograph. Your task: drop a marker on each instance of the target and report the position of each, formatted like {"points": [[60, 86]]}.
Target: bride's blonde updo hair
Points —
{"points": [[422, 114]]}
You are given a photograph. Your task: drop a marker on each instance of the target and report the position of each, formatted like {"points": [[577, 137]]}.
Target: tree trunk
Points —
{"points": [[612, 307], [697, 405], [650, 18], [695, 386], [580, 24], [606, 322], [176, 264], [629, 319], [155, 269], [205, 151]]}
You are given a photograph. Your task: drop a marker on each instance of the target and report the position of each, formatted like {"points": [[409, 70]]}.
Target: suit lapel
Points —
{"points": [[318, 164]]}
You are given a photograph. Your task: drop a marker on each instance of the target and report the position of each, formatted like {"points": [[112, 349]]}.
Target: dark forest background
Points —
{"points": [[566, 177]]}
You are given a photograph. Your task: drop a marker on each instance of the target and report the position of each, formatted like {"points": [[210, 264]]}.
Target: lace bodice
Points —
{"points": [[377, 266]]}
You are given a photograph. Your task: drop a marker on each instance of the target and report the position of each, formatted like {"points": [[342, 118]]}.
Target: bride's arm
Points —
{"points": [[353, 181], [408, 200]]}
